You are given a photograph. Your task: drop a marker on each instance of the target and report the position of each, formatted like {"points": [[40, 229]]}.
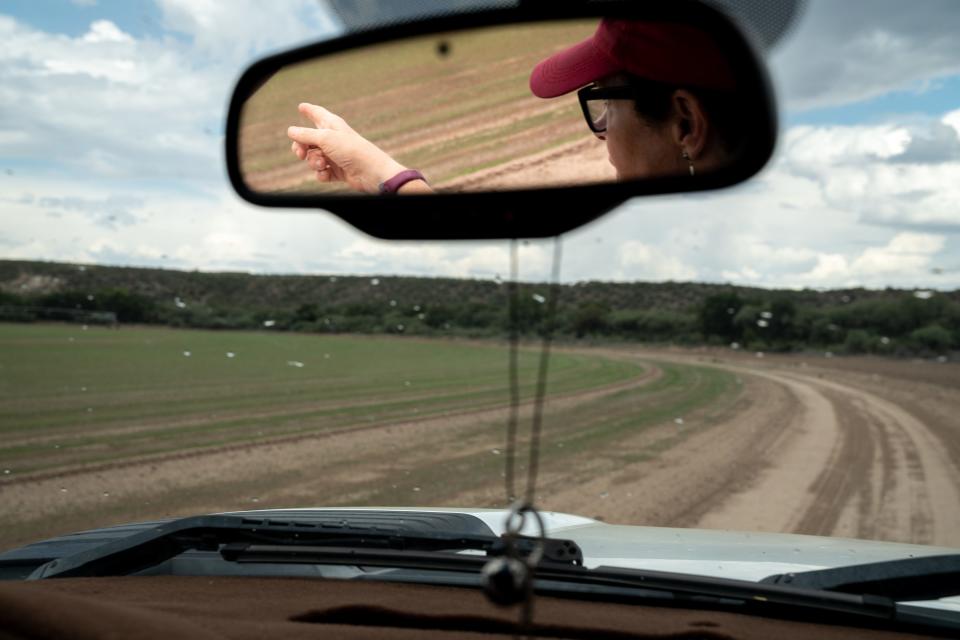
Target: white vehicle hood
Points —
{"points": [[706, 552]]}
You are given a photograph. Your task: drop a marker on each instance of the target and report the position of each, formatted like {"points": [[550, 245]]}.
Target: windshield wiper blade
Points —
{"points": [[923, 578], [679, 586], [211, 533]]}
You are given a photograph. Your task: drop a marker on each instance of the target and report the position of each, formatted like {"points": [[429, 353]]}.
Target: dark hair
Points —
{"points": [[654, 104]]}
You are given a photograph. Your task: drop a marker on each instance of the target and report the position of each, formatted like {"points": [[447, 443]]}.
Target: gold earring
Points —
{"points": [[686, 156]]}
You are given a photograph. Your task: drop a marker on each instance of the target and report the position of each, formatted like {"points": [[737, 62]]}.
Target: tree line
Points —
{"points": [[898, 323]]}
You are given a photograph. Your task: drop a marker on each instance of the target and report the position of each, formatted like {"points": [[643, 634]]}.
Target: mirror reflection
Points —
{"points": [[509, 107]]}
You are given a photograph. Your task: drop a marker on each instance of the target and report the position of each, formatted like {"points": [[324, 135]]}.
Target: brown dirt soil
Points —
{"points": [[867, 449], [308, 469], [851, 447]]}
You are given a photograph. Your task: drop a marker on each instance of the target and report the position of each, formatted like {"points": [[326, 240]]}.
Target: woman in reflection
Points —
{"points": [[662, 96]]}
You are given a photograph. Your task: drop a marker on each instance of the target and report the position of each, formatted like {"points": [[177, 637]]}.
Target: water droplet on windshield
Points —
{"points": [[254, 499], [400, 327], [923, 294], [81, 269], [83, 388], [407, 383], [539, 298], [106, 494], [63, 489], [231, 354], [295, 363], [84, 327], [766, 315], [731, 311], [393, 303], [6, 472], [180, 304], [89, 409], [678, 421], [763, 324], [326, 356], [759, 354], [828, 354], [416, 488], [421, 316], [884, 340], [734, 345], [90, 298], [416, 307], [269, 323], [187, 354], [333, 278], [374, 281], [495, 452], [845, 299]]}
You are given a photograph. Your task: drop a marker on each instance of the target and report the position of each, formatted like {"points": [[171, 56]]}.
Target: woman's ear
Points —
{"points": [[689, 123]]}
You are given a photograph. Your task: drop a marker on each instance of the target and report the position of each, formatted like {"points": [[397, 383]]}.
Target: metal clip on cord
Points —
{"points": [[508, 580]]}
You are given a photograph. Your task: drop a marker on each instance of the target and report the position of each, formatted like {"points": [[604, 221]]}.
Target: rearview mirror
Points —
{"points": [[522, 122]]}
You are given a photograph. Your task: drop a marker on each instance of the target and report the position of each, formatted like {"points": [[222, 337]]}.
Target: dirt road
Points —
{"points": [[850, 447], [855, 448]]}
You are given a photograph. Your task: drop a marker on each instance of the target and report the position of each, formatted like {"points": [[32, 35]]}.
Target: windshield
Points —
{"points": [[777, 357]]}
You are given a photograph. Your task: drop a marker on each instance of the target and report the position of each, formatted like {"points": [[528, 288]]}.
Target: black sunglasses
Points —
{"points": [[593, 101]]}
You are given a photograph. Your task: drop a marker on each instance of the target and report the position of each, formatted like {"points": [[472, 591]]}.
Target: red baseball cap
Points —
{"points": [[667, 52]]}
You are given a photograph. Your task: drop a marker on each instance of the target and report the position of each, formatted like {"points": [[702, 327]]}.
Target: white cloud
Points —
{"points": [[105, 31], [886, 174], [908, 257], [808, 148], [843, 52], [239, 28], [463, 260], [102, 105], [639, 261], [952, 119], [105, 104]]}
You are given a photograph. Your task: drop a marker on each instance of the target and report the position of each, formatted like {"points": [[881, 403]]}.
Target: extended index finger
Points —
{"points": [[322, 117]]}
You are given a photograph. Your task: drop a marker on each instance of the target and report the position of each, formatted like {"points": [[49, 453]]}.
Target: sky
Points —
{"points": [[111, 136]]}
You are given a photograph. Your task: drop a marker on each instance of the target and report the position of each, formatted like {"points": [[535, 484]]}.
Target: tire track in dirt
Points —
{"points": [[915, 482], [851, 464], [670, 473]]}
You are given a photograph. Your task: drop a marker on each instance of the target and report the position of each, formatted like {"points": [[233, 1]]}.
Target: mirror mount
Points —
{"points": [[521, 213]]}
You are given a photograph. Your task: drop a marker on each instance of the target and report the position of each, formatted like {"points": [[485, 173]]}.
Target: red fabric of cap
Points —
{"points": [[670, 53]]}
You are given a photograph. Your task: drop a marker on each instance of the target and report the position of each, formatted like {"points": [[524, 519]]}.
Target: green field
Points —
{"points": [[74, 402], [448, 115], [72, 397]]}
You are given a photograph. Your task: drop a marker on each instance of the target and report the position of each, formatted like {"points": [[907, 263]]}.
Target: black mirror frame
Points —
{"points": [[528, 213]]}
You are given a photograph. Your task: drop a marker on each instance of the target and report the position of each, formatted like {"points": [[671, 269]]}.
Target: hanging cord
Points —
{"points": [[509, 579], [547, 333], [513, 303], [536, 428]]}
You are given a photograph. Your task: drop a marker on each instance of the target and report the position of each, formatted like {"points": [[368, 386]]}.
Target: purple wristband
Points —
{"points": [[393, 184]]}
